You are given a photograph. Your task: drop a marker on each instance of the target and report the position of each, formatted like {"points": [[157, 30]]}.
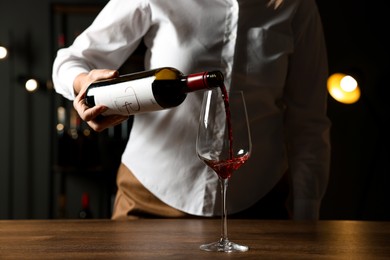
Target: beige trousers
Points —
{"points": [[134, 201]]}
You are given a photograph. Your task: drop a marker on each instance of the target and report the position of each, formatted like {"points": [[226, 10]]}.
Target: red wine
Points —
{"points": [[149, 90], [225, 168], [225, 98]]}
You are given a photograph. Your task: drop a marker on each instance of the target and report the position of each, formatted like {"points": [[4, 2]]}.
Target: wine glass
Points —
{"points": [[223, 144]]}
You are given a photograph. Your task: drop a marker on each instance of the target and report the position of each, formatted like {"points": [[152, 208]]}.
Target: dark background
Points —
{"points": [[34, 184]]}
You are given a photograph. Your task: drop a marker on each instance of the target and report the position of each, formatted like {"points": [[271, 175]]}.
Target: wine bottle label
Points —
{"points": [[127, 98]]}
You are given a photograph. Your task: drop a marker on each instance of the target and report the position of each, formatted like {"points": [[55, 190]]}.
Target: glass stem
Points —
{"points": [[224, 184]]}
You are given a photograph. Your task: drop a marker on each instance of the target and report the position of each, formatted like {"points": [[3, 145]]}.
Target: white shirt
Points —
{"points": [[277, 57]]}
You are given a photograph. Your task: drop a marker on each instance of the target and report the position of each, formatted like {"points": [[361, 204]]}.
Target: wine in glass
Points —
{"points": [[224, 144]]}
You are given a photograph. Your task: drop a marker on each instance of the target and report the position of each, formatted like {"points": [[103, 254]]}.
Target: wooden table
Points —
{"points": [[180, 239]]}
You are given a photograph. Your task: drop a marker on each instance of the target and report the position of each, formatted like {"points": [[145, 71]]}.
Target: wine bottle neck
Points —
{"points": [[204, 80], [85, 201]]}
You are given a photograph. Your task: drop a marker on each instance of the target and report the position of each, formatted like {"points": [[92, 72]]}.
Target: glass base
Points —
{"points": [[224, 246]]}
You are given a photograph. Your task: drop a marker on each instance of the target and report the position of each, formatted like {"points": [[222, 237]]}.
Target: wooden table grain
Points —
{"points": [[181, 238]]}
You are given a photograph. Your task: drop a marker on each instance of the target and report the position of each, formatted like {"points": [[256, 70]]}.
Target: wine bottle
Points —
{"points": [[85, 212], [148, 91]]}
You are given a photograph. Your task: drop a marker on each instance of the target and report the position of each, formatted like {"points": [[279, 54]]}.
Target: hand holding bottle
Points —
{"points": [[92, 115]]}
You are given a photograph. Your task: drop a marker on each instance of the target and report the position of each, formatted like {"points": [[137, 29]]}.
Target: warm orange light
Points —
{"points": [[343, 88]]}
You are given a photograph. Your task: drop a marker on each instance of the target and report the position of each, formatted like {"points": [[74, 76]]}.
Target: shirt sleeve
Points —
{"points": [[105, 44], [307, 124]]}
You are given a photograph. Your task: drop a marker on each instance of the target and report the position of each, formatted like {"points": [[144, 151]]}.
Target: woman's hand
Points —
{"points": [[93, 116]]}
